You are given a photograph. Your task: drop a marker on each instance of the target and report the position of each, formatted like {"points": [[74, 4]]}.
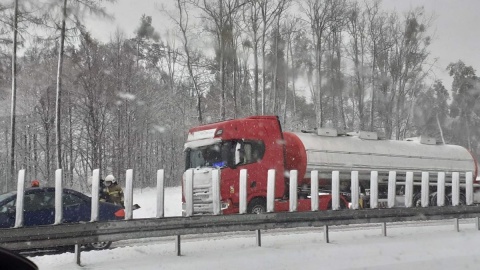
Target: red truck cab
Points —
{"points": [[255, 143]]}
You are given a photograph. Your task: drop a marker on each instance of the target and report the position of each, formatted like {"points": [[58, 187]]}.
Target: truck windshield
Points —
{"points": [[215, 155]]}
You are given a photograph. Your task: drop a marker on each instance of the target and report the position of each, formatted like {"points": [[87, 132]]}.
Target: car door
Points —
{"points": [[75, 208], [39, 208]]}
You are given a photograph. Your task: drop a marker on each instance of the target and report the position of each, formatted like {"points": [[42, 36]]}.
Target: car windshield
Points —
{"points": [[216, 155], [6, 195]]}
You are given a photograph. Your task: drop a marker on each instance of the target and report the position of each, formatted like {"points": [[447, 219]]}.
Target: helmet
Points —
{"points": [[35, 183], [110, 178]]}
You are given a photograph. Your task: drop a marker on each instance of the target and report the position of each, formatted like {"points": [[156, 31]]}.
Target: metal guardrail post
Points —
{"points": [[314, 190], [293, 197], [455, 188], [178, 246], [95, 195], [271, 191], [335, 190], [129, 194], [441, 189], [384, 229], [20, 195], [77, 254], [160, 193], [425, 191], [392, 188], [58, 197], [216, 192], [325, 234], [409, 189], [373, 189], [456, 225], [354, 189], [259, 238], [243, 192]]}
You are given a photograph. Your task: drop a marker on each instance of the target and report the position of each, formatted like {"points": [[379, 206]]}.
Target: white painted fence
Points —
{"points": [[270, 197]]}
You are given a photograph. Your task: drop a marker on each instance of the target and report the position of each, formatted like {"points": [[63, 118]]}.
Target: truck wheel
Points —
{"points": [[433, 200], [417, 200], [257, 206]]}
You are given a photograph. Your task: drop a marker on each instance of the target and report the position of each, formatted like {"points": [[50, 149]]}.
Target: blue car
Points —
{"points": [[39, 209]]}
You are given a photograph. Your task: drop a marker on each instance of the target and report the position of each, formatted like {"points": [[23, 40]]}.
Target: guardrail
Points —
{"points": [[83, 233]]}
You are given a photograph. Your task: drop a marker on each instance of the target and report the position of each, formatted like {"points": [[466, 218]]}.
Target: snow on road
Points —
{"points": [[422, 247]]}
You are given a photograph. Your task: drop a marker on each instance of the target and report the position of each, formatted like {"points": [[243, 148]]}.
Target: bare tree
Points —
{"points": [[251, 15], [183, 24], [320, 14], [356, 27], [14, 91], [375, 26]]}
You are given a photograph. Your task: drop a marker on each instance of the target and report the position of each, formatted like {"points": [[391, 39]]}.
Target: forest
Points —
{"points": [[70, 101]]}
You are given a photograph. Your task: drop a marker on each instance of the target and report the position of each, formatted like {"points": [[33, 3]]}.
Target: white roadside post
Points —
{"points": [[373, 189], [354, 189], [129, 194], [270, 200], [456, 196], [314, 190], [455, 188], [335, 190], [216, 192], [409, 189], [95, 195], [58, 197], [425, 192], [441, 189], [469, 188], [189, 193], [160, 193], [20, 195], [335, 200], [293, 199], [243, 192], [271, 191], [392, 188]]}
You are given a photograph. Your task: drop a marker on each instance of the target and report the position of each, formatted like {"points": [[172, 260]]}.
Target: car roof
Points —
{"points": [[42, 189]]}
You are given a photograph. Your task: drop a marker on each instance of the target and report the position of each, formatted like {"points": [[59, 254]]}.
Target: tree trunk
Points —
{"points": [[14, 95]]}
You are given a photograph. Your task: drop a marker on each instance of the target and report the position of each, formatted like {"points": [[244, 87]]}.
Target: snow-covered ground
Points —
{"points": [[427, 246]]}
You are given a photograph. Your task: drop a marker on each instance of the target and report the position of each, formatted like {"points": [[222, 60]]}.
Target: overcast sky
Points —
{"points": [[455, 27]]}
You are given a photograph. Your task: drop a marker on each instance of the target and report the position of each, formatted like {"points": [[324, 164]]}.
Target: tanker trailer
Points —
{"points": [[326, 150]]}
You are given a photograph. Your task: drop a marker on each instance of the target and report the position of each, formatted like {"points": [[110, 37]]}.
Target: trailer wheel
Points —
{"points": [[417, 200], [433, 200], [257, 206], [462, 199]]}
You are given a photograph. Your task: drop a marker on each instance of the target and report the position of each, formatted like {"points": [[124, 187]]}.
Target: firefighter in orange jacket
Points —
{"points": [[113, 191]]}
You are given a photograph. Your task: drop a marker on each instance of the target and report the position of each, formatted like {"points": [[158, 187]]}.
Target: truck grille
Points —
{"points": [[202, 201]]}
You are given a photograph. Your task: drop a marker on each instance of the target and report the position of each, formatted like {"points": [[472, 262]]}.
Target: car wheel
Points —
{"points": [[99, 245]]}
